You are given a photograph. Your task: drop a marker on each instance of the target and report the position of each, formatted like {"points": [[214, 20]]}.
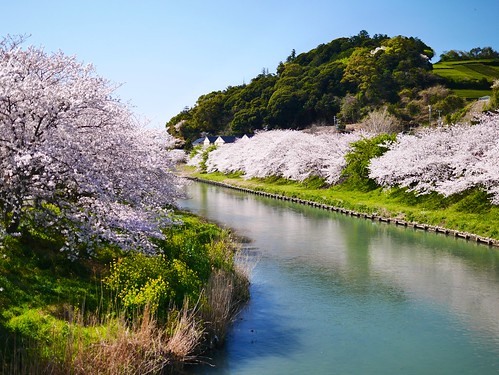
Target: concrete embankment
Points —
{"points": [[373, 217]]}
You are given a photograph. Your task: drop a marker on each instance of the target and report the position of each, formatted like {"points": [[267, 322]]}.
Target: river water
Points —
{"points": [[333, 294]]}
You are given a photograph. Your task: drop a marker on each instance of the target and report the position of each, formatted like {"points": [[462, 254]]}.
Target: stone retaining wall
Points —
{"points": [[425, 227]]}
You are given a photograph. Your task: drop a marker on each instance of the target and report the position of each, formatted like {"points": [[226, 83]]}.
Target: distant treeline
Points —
{"points": [[474, 53]]}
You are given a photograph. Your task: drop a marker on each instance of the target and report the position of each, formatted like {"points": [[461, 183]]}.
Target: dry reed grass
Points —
{"points": [[140, 345], [225, 294]]}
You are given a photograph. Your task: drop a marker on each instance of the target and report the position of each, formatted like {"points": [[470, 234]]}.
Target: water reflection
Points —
{"points": [[442, 272], [333, 291]]}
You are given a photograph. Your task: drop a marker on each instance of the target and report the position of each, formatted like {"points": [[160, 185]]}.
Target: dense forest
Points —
{"points": [[337, 83]]}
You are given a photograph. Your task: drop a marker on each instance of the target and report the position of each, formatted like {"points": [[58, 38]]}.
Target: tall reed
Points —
{"points": [[117, 344]]}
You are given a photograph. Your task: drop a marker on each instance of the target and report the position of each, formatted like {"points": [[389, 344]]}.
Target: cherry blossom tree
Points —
{"points": [[444, 160], [74, 158], [335, 147], [291, 154], [447, 160]]}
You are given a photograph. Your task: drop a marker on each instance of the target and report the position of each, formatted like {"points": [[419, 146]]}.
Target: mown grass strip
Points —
{"points": [[467, 70], [468, 214]]}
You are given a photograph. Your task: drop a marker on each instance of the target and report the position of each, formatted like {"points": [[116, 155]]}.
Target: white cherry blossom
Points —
{"points": [[444, 160], [74, 158], [291, 154]]}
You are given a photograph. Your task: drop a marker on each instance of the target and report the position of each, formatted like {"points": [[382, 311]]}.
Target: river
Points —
{"points": [[334, 294]]}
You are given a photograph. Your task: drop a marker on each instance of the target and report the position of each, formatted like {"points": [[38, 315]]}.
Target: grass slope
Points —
{"points": [[468, 212], [469, 71], [61, 316]]}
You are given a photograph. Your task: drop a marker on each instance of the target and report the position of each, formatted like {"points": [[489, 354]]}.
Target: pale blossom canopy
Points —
{"points": [[447, 160], [74, 159], [294, 155]]}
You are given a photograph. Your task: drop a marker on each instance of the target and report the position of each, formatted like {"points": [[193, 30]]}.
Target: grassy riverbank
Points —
{"points": [[117, 312], [470, 212]]}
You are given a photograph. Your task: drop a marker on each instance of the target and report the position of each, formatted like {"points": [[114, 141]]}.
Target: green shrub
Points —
{"points": [[222, 252], [494, 99], [275, 180], [195, 151], [34, 324], [314, 182], [356, 172], [204, 157], [139, 280], [190, 252]]}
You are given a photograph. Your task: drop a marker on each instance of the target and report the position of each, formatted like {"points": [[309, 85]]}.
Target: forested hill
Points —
{"points": [[342, 80]]}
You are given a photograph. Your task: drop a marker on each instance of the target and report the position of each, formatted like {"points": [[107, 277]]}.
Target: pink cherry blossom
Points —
{"points": [[291, 154], [74, 158], [446, 160]]}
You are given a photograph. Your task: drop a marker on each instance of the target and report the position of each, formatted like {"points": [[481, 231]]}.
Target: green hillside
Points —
{"points": [[469, 78], [342, 82]]}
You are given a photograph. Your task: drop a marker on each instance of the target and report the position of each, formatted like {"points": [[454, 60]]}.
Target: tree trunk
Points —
{"points": [[13, 226]]}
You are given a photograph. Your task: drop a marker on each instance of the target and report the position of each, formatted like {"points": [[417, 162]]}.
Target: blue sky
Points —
{"points": [[168, 53]]}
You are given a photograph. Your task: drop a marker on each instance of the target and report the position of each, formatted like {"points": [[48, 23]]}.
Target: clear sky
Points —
{"points": [[168, 53]]}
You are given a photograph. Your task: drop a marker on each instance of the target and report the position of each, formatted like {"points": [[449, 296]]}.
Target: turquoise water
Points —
{"points": [[332, 294]]}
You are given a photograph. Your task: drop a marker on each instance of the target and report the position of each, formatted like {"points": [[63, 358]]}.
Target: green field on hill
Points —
{"points": [[471, 94], [469, 78], [468, 69]]}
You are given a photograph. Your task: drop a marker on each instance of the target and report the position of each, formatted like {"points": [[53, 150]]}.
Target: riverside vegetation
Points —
{"points": [[445, 177], [117, 313], [99, 273]]}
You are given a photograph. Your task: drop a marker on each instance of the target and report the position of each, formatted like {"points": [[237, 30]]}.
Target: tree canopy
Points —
{"points": [[312, 87], [73, 158], [474, 53]]}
